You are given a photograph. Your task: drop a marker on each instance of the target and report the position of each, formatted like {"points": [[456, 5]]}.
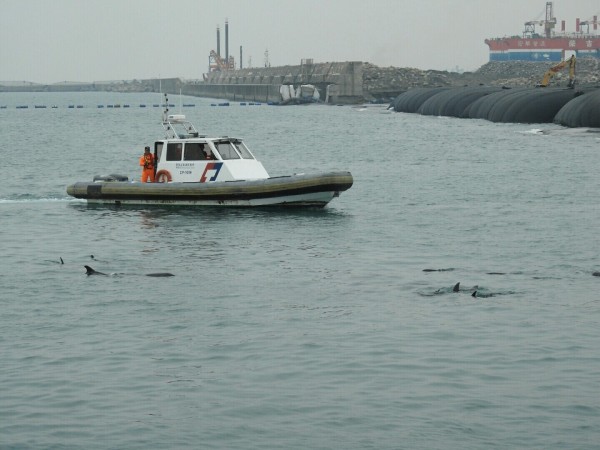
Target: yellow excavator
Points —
{"points": [[557, 68]]}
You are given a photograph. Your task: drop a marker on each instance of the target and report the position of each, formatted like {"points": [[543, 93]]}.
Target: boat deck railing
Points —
{"points": [[177, 127]]}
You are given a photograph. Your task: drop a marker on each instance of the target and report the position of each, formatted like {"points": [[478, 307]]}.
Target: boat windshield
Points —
{"points": [[233, 149], [227, 150], [242, 149]]}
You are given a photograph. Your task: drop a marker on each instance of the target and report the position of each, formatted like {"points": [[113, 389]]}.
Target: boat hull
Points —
{"points": [[295, 190]]}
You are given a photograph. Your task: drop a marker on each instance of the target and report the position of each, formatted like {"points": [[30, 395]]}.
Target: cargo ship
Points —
{"points": [[548, 44]]}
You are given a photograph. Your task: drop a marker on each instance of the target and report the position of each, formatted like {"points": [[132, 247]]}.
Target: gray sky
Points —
{"points": [[93, 40]]}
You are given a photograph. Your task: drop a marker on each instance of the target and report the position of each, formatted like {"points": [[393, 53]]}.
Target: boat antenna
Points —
{"points": [[166, 110], [159, 88], [160, 94]]}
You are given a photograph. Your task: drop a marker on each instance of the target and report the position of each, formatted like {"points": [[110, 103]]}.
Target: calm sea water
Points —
{"points": [[301, 329]]}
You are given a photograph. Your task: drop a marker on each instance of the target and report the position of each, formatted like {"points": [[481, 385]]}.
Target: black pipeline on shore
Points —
{"points": [[567, 107]]}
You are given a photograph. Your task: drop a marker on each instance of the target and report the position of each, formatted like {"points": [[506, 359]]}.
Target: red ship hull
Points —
{"points": [[543, 49]]}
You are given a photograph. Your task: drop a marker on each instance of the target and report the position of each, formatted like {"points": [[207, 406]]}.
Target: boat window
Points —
{"points": [[194, 151], [242, 149], [158, 146], [174, 152], [227, 150]]}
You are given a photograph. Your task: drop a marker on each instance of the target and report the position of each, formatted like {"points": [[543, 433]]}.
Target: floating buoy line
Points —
{"points": [[120, 106]]}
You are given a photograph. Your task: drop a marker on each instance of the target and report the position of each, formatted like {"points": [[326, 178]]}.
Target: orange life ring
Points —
{"points": [[163, 176]]}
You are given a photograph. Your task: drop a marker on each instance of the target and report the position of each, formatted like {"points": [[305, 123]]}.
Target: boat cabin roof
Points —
{"points": [[178, 130]]}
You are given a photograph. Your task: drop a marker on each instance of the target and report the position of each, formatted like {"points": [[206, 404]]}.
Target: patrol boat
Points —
{"points": [[193, 169]]}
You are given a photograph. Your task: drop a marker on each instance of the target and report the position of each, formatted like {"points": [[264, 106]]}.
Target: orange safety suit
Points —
{"points": [[147, 163]]}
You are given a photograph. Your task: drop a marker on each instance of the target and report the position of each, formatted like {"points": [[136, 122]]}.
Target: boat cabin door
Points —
{"points": [[158, 147]]}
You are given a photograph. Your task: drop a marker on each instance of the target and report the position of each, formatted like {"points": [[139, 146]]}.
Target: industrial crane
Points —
{"points": [[557, 68], [216, 63], [586, 23], [549, 22]]}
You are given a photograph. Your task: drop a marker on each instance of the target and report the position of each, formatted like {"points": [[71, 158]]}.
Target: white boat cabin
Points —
{"points": [[185, 156]]}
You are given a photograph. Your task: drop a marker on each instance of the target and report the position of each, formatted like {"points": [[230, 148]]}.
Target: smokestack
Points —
{"points": [[218, 41], [241, 57], [577, 25], [227, 42], [562, 26], [595, 22]]}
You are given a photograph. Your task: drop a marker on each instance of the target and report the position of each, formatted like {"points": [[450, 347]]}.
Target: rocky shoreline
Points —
{"points": [[381, 82]]}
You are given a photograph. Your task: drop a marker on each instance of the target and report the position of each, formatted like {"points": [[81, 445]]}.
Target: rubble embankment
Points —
{"points": [[381, 82]]}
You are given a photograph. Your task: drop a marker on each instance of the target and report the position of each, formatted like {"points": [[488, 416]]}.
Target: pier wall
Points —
{"points": [[342, 81], [235, 92], [339, 82]]}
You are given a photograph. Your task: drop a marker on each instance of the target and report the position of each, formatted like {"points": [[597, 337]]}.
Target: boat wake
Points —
{"points": [[26, 199], [583, 132], [536, 131]]}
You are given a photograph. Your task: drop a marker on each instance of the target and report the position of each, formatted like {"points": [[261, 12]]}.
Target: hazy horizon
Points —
{"points": [[100, 40]]}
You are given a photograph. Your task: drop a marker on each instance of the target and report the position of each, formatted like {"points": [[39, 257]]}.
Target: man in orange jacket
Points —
{"points": [[147, 163]]}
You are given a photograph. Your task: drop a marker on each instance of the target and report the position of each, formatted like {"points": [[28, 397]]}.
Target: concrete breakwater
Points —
{"points": [[343, 81], [337, 82]]}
